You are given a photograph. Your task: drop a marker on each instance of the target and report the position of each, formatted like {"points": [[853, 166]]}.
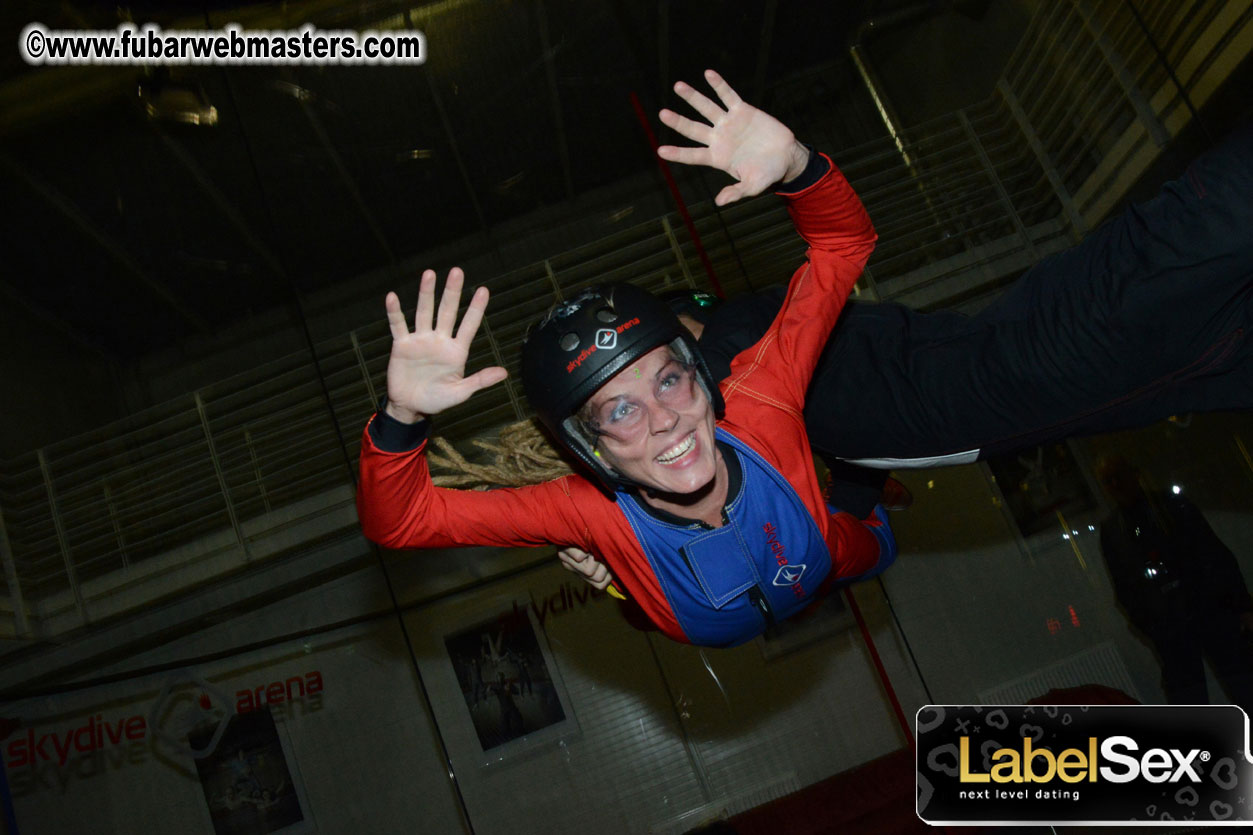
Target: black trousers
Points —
{"points": [[1149, 316]]}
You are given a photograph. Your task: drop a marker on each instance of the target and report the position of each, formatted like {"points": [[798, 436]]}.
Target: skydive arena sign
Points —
{"points": [[1021, 764]]}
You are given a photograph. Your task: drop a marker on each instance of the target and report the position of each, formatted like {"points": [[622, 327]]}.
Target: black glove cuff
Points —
{"points": [[815, 170], [390, 435]]}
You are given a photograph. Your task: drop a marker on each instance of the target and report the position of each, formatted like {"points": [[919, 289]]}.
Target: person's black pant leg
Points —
{"points": [[854, 489]]}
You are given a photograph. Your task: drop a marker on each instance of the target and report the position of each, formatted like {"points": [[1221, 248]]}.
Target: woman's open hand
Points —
{"points": [[426, 371], [749, 144]]}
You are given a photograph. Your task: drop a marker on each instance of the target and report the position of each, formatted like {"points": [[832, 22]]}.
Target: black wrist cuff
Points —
{"points": [[815, 170], [390, 435]]}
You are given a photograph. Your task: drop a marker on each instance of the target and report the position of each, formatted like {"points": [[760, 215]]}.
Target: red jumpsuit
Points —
{"points": [[400, 508]]}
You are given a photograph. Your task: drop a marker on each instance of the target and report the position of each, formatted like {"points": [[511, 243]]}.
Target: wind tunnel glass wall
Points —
{"points": [[550, 707], [1019, 601]]}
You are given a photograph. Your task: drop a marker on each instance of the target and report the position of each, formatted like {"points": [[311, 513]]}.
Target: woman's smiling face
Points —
{"points": [[655, 425]]}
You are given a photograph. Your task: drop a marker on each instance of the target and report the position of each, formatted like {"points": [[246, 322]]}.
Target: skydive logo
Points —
{"points": [[577, 361], [788, 575], [1076, 764], [58, 747], [606, 338]]}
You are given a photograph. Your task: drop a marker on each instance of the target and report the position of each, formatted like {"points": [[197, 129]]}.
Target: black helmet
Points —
{"points": [[585, 341]]}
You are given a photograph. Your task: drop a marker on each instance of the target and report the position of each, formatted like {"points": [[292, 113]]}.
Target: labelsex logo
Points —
{"points": [[1156, 765]]}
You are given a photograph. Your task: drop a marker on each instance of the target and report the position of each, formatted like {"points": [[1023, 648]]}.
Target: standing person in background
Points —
{"points": [[1179, 585]]}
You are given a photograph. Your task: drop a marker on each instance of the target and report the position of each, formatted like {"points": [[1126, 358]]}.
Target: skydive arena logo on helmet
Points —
{"points": [[577, 361], [606, 338], [1023, 764]]}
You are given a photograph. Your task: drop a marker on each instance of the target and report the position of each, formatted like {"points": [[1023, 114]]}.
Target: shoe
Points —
{"points": [[895, 496]]}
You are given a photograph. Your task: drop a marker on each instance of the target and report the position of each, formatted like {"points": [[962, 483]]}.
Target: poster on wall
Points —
{"points": [[509, 684], [246, 780]]}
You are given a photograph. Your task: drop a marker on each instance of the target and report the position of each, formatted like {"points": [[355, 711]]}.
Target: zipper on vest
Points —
{"points": [[755, 595], [758, 598]]}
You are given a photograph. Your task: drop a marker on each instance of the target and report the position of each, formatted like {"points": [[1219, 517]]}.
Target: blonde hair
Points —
{"points": [[521, 455]]}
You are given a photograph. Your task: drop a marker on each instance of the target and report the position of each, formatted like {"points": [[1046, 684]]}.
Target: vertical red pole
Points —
{"points": [[678, 198], [878, 664]]}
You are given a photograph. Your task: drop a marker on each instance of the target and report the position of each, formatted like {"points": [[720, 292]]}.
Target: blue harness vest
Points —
{"points": [[766, 560]]}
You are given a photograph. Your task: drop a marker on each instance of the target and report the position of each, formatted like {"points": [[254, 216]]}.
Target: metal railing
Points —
{"points": [[193, 488]]}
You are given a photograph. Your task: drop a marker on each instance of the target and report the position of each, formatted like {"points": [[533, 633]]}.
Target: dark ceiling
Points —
{"points": [[131, 232]]}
